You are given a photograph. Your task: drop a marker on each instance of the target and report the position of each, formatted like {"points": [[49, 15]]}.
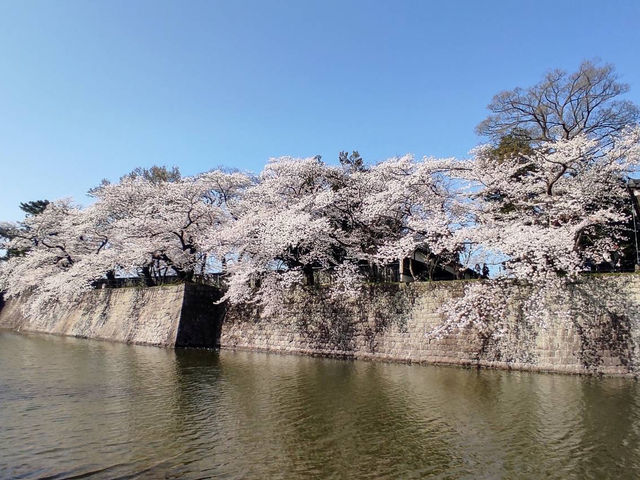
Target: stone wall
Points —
{"points": [[396, 323], [176, 315], [387, 322]]}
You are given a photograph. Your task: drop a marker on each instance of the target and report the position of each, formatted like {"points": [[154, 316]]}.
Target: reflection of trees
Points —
{"points": [[288, 416], [327, 418]]}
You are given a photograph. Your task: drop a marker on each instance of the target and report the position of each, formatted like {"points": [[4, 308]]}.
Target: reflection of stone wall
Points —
{"points": [[393, 323], [176, 315]]}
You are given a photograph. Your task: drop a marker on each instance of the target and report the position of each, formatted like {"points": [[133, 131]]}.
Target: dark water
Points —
{"points": [[75, 408]]}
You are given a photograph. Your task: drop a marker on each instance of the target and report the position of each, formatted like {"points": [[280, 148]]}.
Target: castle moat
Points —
{"points": [[72, 408]]}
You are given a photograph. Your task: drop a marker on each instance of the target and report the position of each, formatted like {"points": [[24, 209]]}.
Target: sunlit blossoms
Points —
{"points": [[546, 215], [533, 214], [555, 209]]}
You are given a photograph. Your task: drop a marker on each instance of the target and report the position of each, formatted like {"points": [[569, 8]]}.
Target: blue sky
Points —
{"points": [[91, 90]]}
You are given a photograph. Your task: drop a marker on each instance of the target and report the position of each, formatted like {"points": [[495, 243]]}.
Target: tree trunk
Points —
{"points": [[307, 270], [146, 275]]}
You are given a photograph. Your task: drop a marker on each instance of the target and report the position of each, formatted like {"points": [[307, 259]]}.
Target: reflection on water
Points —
{"points": [[75, 407]]}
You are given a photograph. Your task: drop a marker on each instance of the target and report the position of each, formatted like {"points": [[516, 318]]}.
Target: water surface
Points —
{"points": [[85, 409]]}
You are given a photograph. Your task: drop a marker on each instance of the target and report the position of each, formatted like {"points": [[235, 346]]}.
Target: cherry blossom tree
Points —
{"points": [[549, 197], [281, 233], [56, 243], [554, 210], [544, 211], [167, 227], [304, 219], [548, 214], [137, 226]]}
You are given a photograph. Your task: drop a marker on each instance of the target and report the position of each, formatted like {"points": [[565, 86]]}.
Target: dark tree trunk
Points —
{"points": [[147, 276], [307, 270], [185, 275]]}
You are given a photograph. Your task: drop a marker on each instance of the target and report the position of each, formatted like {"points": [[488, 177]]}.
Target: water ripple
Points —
{"points": [[82, 409]]}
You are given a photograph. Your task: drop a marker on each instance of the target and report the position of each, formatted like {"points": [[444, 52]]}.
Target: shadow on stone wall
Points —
{"points": [[604, 315], [170, 316], [586, 327], [590, 326], [347, 326], [200, 317], [319, 321]]}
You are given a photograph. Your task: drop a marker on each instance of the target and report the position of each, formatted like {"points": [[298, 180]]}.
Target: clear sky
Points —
{"points": [[93, 89]]}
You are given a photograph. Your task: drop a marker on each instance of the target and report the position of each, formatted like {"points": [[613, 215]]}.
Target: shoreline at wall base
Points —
{"points": [[37, 333], [477, 365]]}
